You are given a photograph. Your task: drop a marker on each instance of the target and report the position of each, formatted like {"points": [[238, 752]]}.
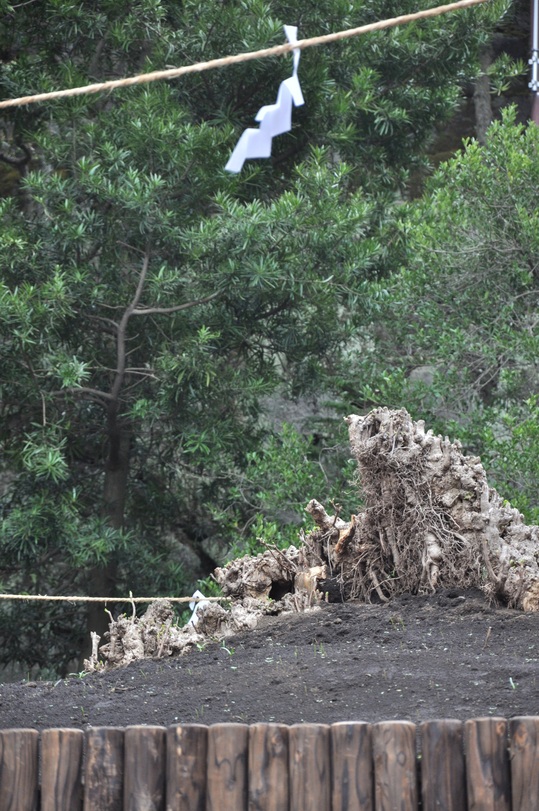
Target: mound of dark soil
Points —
{"points": [[449, 655]]}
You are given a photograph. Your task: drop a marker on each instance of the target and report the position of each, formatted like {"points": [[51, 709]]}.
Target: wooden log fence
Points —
{"points": [[484, 764]]}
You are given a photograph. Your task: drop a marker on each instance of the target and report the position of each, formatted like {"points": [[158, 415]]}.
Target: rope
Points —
{"points": [[277, 50], [79, 599]]}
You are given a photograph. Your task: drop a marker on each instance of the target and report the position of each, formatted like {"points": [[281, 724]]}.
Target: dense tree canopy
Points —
{"points": [[455, 337], [148, 300]]}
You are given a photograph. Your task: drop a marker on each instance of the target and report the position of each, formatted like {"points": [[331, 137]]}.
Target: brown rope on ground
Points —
{"points": [[222, 62]]}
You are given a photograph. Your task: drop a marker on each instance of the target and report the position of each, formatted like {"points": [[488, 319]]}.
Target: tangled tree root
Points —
{"points": [[156, 634], [429, 521]]}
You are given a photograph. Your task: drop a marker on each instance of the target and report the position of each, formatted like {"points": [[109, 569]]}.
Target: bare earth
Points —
{"points": [[450, 655]]}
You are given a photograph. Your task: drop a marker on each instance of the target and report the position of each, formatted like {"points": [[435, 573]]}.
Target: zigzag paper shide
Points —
{"points": [[274, 118]]}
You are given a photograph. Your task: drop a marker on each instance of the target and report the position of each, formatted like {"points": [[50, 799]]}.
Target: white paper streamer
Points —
{"points": [[194, 606], [274, 118]]}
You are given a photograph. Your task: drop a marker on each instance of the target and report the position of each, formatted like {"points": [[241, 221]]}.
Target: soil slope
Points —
{"points": [[448, 655]]}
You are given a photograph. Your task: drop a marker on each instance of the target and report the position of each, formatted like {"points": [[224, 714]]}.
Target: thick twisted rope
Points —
{"points": [[222, 62]]}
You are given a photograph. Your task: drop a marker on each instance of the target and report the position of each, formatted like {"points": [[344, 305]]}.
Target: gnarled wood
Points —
{"points": [[430, 518]]}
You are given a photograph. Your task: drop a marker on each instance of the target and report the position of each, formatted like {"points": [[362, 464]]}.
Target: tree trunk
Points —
{"points": [[102, 579], [482, 102], [116, 471]]}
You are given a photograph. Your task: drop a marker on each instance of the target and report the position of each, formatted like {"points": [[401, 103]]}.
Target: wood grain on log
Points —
{"points": [[227, 767], [18, 769], [310, 767], [268, 767], [395, 766], [352, 786], [187, 752], [61, 764], [524, 736], [487, 764], [144, 768], [443, 783], [104, 769]]}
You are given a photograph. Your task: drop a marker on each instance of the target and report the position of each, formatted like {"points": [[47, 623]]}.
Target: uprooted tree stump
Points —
{"points": [[429, 520]]}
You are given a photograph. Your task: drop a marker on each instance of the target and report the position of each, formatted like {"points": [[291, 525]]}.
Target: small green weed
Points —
{"points": [[319, 649]]}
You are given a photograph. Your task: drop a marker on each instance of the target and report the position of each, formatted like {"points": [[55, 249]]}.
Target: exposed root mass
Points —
{"points": [[429, 520]]}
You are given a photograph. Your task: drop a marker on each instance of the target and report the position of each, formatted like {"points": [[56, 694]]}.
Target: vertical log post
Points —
{"points": [[310, 767], [144, 768], [395, 766], [443, 782], [227, 767], [524, 736], [18, 769], [352, 774], [487, 764], [187, 752], [104, 770], [61, 764], [268, 767]]}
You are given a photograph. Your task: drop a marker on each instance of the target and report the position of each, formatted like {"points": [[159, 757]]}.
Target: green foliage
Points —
{"points": [[504, 71], [296, 468], [149, 300], [45, 459], [507, 437], [463, 309]]}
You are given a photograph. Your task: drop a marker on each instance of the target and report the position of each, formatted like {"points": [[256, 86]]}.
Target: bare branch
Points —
{"points": [[122, 329], [95, 394], [146, 374], [109, 321], [177, 308], [140, 285], [137, 383], [131, 247]]}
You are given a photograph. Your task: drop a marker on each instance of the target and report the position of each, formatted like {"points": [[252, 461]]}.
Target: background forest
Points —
{"points": [[178, 345]]}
